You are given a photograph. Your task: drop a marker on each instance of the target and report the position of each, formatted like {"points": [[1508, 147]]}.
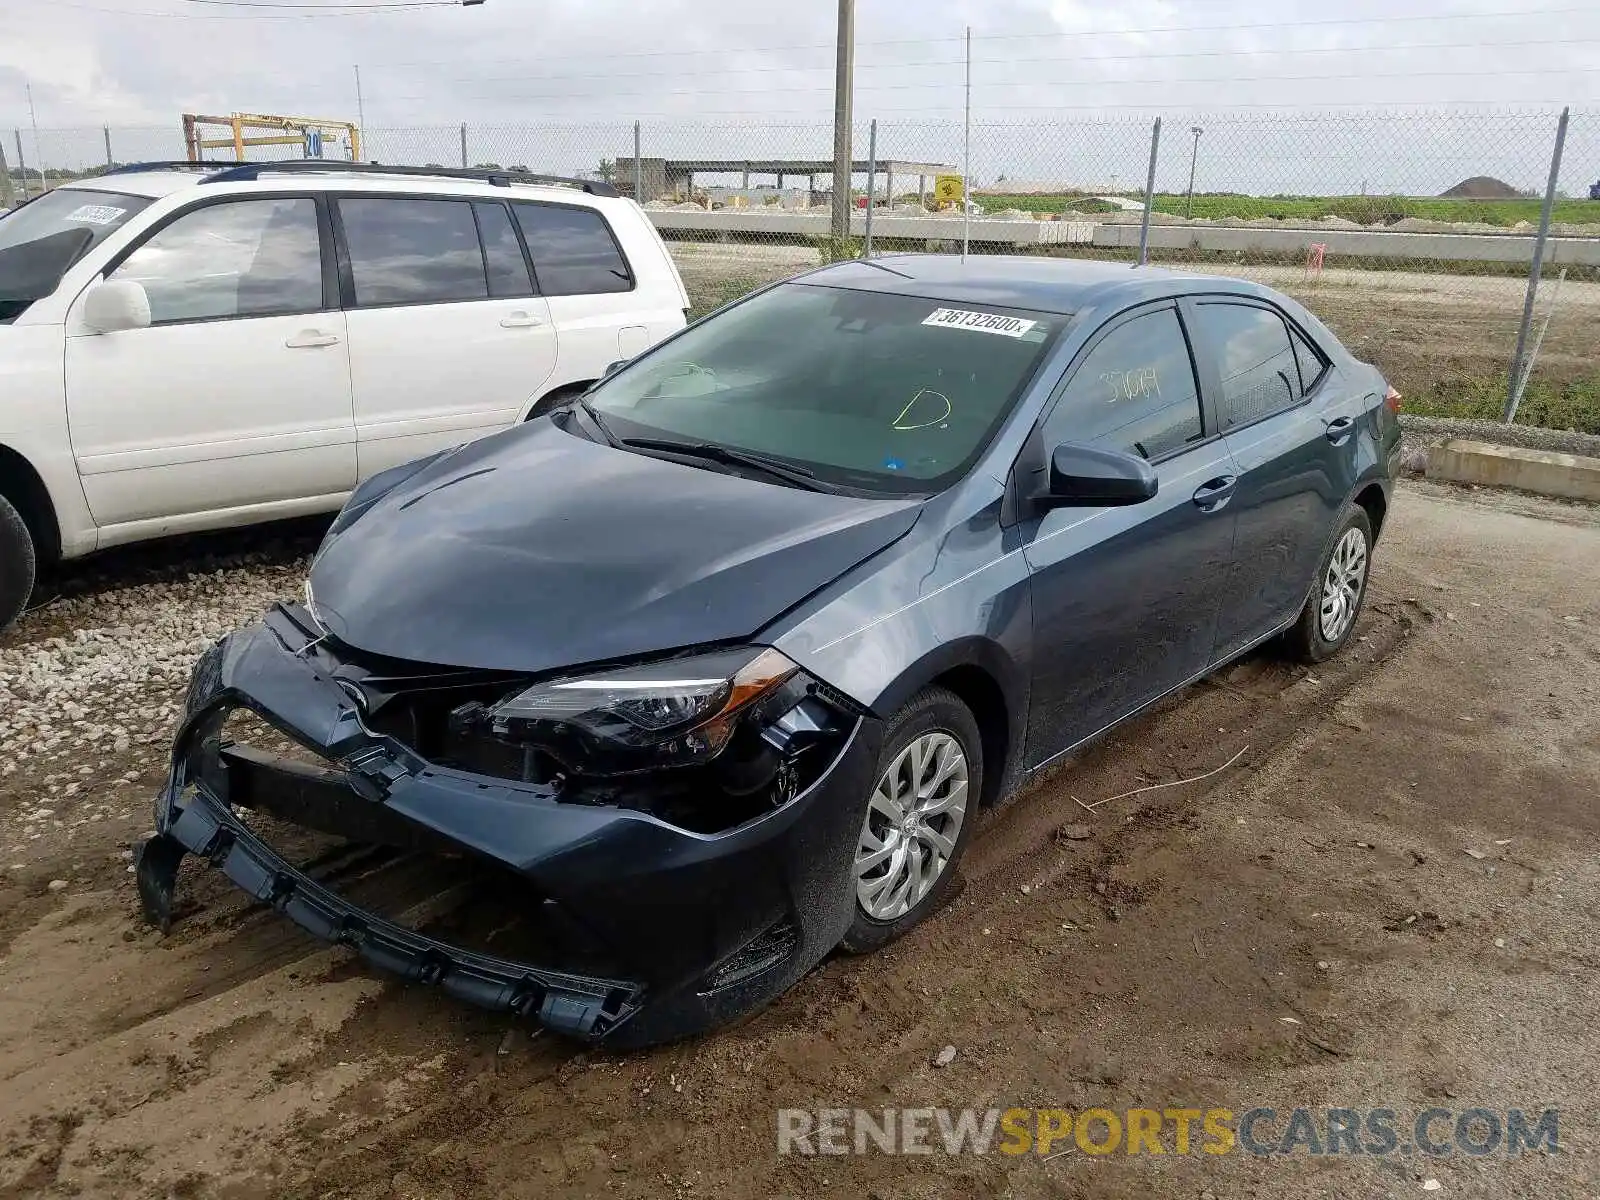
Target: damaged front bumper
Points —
{"points": [[680, 930]]}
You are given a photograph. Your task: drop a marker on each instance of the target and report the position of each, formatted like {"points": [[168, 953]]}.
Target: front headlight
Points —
{"points": [[675, 713]]}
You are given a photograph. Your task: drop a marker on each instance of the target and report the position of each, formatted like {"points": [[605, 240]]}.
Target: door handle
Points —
{"points": [[1214, 494], [311, 339], [520, 320], [1338, 429]]}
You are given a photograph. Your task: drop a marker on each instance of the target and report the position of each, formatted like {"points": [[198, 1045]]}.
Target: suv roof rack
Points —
{"points": [[175, 164], [246, 172]]}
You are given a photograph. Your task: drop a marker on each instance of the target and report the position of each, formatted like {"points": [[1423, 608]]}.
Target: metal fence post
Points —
{"points": [[463, 143], [872, 184], [638, 165], [8, 196], [110, 162], [22, 164], [1513, 389], [1149, 194]]}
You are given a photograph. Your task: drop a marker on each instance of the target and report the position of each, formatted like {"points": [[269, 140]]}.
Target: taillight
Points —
{"points": [[1391, 399]]}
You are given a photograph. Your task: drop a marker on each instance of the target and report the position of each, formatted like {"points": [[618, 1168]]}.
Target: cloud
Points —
{"points": [[593, 67]]}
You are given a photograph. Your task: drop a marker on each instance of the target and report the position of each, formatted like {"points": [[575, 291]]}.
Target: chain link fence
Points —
{"points": [[1412, 233]]}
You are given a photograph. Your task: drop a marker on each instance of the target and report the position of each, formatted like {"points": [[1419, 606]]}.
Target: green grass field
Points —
{"points": [[1365, 210]]}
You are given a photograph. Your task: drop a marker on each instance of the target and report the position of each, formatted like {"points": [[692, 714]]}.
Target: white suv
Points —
{"points": [[189, 346]]}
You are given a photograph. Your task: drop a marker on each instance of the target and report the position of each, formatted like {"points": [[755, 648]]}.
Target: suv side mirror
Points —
{"points": [[613, 367], [115, 305], [1089, 476]]}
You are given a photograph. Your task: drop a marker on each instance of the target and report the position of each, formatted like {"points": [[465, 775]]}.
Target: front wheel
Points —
{"points": [[17, 564], [916, 822], [1330, 613]]}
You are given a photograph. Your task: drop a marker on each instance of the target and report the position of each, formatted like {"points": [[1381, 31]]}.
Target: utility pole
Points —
{"points": [[8, 197], [1188, 207], [843, 148], [38, 153], [361, 108]]}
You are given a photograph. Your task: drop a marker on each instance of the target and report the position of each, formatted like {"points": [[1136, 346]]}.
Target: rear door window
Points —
{"points": [[1260, 375], [574, 252], [502, 252], [410, 251], [1134, 392]]}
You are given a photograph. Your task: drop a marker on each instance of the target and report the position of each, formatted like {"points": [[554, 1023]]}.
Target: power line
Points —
{"points": [[336, 6], [1141, 81], [1076, 62], [1038, 35], [376, 10]]}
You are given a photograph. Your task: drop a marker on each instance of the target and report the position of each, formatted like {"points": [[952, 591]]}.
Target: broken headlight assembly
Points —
{"points": [[678, 713]]}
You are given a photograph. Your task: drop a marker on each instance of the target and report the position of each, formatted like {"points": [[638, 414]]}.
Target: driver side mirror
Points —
{"points": [[613, 368], [1090, 476], [115, 305]]}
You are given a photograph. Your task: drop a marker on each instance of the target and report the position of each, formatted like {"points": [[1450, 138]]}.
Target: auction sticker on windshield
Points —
{"points": [[97, 214], [982, 322]]}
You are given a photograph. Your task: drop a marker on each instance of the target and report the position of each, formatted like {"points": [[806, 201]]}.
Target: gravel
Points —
{"points": [[1423, 430], [91, 686]]}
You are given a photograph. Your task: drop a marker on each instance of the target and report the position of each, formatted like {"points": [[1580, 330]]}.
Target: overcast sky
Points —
{"points": [[600, 64]]}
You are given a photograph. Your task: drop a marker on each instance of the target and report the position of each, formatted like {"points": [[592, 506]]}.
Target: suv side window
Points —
{"points": [[1256, 361], [240, 258], [1135, 391], [408, 251], [502, 252], [574, 252]]}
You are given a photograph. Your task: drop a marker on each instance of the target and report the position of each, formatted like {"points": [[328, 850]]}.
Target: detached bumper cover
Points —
{"points": [[701, 927]]}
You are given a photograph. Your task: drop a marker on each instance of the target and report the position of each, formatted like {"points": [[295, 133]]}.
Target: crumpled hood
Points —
{"points": [[538, 549]]}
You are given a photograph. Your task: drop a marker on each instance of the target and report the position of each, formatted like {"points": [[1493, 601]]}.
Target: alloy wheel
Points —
{"points": [[913, 821], [1341, 587]]}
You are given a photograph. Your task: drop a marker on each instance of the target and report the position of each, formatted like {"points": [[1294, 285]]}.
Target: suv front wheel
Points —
{"points": [[17, 564]]}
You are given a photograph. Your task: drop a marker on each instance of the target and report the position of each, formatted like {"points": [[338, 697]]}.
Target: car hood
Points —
{"points": [[538, 549]]}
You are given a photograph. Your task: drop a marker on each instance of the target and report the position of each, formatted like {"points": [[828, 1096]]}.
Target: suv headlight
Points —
{"points": [[674, 713]]}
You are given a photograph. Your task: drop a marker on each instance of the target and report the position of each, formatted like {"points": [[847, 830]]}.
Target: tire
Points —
{"points": [[17, 565], [1340, 588], [922, 736]]}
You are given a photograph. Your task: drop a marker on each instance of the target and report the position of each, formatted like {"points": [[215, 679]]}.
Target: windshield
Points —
{"points": [[883, 392], [40, 240]]}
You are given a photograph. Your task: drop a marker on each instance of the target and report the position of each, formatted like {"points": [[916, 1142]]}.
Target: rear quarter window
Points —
{"points": [[574, 251]]}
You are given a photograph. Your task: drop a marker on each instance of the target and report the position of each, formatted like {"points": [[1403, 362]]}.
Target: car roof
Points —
{"points": [[138, 183], [166, 180], [1053, 285]]}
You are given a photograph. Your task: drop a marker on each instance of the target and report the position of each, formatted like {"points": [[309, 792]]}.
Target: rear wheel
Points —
{"points": [[1329, 616], [17, 564], [916, 822]]}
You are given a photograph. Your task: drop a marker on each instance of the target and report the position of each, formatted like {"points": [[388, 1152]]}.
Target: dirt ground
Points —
{"points": [[1304, 928]]}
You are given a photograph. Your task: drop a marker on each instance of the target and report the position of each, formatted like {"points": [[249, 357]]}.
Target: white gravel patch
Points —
{"points": [[86, 714]]}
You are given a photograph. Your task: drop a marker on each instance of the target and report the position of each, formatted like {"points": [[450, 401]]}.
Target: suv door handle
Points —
{"points": [[1213, 495], [311, 339], [1338, 429], [520, 320]]}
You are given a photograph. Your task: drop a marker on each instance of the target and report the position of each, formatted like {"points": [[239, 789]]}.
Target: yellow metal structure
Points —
{"points": [[242, 130]]}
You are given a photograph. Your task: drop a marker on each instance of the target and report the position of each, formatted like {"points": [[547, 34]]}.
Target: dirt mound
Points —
{"points": [[1481, 187]]}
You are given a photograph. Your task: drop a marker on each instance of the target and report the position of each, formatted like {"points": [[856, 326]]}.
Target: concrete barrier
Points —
{"points": [[1571, 476], [1355, 243], [1350, 243]]}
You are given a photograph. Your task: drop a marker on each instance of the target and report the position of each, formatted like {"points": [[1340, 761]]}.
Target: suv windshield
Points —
{"points": [[866, 389], [40, 240]]}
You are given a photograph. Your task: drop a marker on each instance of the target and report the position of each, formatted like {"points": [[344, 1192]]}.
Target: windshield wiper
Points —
{"points": [[797, 476], [597, 420]]}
